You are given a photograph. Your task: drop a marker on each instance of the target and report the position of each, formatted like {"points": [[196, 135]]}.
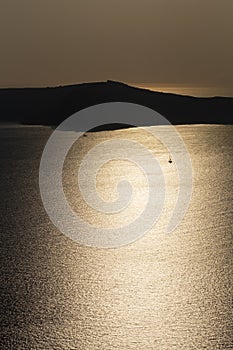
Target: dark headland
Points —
{"points": [[50, 106]]}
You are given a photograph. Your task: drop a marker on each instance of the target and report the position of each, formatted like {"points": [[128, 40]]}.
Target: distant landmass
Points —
{"points": [[50, 106]]}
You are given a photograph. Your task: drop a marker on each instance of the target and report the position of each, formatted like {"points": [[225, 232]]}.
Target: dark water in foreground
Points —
{"points": [[161, 292]]}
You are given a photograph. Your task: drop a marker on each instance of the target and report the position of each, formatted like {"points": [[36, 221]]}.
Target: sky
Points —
{"points": [[59, 42]]}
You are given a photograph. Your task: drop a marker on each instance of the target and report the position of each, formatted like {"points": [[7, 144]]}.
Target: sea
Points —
{"points": [[189, 90], [163, 290]]}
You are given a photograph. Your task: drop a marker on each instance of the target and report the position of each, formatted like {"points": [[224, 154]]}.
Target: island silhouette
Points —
{"points": [[52, 105]]}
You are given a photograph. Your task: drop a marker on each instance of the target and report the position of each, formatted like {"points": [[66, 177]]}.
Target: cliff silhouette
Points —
{"points": [[50, 106]]}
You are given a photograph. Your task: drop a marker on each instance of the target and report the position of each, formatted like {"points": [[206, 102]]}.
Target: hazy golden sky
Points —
{"points": [[57, 42]]}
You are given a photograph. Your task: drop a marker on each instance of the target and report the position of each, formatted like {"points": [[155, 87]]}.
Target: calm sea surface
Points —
{"points": [[165, 291], [192, 90]]}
